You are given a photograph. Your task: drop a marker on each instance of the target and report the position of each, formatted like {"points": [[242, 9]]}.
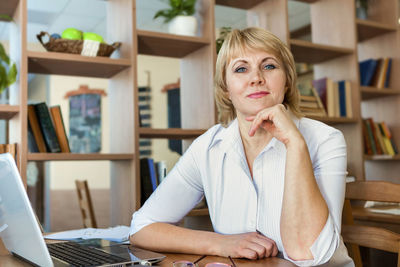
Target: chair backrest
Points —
{"points": [[368, 236], [85, 204]]}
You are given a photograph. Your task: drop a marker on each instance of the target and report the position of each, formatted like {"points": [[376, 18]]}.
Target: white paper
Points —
{"points": [[117, 234], [394, 211]]}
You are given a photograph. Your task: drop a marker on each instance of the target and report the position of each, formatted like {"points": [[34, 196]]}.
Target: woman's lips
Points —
{"points": [[258, 94]]}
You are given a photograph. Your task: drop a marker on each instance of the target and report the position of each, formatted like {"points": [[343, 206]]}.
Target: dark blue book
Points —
{"points": [[388, 73], [47, 127], [342, 98], [152, 171], [146, 186], [367, 71]]}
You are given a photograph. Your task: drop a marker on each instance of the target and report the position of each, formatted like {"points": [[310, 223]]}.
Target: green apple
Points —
{"points": [[72, 34], [92, 36]]}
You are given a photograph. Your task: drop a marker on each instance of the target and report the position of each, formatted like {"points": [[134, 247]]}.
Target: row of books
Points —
{"points": [[375, 72], [378, 139], [9, 148], [327, 98], [151, 175], [46, 131]]}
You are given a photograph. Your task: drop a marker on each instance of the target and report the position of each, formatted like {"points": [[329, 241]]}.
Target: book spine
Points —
{"points": [[342, 98], [36, 129], [371, 137], [60, 129], [47, 127]]}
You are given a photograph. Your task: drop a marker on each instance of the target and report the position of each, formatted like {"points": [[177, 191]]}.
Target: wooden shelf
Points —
{"points": [[171, 133], [367, 29], [249, 3], [307, 52], [76, 65], [8, 8], [73, 156], [382, 157], [333, 120], [198, 212], [373, 92], [168, 45], [238, 3], [8, 111]]}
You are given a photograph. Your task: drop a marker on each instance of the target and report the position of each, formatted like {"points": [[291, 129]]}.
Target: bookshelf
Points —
{"points": [[377, 38], [121, 78], [335, 48]]}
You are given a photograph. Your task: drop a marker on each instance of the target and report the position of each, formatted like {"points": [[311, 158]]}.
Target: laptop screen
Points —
{"points": [[21, 233]]}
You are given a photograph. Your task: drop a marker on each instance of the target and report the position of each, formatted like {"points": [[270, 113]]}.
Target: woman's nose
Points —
{"points": [[257, 78]]}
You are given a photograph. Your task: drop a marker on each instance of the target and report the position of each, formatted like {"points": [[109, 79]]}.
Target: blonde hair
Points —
{"points": [[255, 39]]}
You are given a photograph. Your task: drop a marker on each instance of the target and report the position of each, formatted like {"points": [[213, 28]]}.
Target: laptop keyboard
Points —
{"points": [[78, 255]]}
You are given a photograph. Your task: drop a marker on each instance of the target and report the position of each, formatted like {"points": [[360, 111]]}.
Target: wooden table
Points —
{"points": [[7, 260]]}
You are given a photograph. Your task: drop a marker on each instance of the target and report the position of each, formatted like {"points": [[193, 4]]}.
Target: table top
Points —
{"points": [[7, 260]]}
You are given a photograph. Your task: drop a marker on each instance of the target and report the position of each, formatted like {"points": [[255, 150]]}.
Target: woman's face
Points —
{"points": [[255, 81]]}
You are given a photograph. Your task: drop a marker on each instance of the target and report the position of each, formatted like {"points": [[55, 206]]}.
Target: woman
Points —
{"points": [[274, 181]]}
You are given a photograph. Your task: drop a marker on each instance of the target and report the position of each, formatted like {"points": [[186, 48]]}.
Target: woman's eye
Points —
{"points": [[240, 69], [269, 67]]}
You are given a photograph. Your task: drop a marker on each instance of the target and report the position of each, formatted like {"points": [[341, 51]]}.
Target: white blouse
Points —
{"points": [[215, 166]]}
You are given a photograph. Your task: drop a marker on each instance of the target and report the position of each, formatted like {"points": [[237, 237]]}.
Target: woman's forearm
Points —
{"points": [[304, 210], [165, 237]]}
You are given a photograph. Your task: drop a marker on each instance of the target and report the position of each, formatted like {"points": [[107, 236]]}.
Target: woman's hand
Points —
{"points": [[277, 121], [249, 245]]}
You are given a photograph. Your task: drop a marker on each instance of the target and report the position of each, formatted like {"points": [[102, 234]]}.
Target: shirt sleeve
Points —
{"points": [[330, 166], [179, 193]]}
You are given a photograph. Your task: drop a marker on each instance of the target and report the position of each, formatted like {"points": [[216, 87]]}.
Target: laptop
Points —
{"points": [[21, 234]]}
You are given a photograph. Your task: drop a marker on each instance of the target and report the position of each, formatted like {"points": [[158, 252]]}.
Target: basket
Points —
{"points": [[74, 46]]}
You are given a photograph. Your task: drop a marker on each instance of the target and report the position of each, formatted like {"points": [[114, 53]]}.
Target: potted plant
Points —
{"points": [[8, 70], [223, 32], [362, 9], [180, 17]]}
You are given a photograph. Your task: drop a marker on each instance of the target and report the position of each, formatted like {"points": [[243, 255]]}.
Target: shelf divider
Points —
{"points": [[171, 133], [75, 65], [75, 156], [168, 45], [8, 111], [307, 52]]}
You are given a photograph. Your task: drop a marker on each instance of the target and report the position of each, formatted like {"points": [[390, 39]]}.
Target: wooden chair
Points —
{"points": [[85, 204], [357, 235]]}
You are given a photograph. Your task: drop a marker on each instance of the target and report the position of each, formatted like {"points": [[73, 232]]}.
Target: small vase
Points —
{"points": [[361, 13], [183, 25]]}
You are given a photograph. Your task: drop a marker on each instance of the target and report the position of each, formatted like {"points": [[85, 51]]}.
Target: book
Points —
{"points": [[349, 103], [59, 127], [370, 137], [320, 87], [342, 98], [386, 140], [32, 146], [36, 130], [47, 127], [382, 74], [331, 98], [367, 70], [161, 169], [387, 80], [367, 143], [147, 178], [379, 137], [370, 124]]}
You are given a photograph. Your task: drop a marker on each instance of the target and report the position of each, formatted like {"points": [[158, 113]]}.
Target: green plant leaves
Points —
{"points": [[177, 7], [3, 55], [6, 78]]}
